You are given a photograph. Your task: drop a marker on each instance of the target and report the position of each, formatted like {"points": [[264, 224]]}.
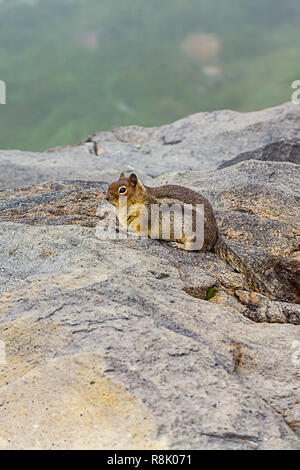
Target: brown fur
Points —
{"points": [[142, 197]]}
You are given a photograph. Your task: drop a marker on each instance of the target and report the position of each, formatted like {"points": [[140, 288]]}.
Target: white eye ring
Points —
{"points": [[120, 190]]}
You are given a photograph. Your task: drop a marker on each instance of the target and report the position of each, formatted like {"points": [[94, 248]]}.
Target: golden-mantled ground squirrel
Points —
{"points": [[138, 217]]}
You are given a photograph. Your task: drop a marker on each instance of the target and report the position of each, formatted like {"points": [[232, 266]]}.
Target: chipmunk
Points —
{"points": [[139, 218]]}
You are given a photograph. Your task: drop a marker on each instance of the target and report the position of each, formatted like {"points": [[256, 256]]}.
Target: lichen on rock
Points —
{"points": [[133, 343]]}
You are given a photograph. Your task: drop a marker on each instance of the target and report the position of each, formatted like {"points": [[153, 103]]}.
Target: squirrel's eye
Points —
{"points": [[122, 190]]}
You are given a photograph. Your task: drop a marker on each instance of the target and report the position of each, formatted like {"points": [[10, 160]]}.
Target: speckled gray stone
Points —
{"points": [[110, 343]]}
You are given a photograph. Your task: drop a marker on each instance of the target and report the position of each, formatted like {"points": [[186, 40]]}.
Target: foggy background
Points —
{"points": [[73, 67]]}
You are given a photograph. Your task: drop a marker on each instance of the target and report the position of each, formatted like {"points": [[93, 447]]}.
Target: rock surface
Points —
{"points": [[202, 142], [110, 343], [286, 150]]}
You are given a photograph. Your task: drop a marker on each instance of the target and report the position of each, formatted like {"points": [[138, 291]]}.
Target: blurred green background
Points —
{"points": [[73, 67]]}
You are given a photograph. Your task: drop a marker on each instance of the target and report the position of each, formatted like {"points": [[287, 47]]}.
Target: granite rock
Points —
{"points": [[202, 141], [110, 343]]}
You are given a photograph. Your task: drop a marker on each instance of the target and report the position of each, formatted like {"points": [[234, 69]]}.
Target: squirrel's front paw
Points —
{"points": [[177, 245]]}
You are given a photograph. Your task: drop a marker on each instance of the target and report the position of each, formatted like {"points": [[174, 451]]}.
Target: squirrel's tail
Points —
{"points": [[240, 264]]}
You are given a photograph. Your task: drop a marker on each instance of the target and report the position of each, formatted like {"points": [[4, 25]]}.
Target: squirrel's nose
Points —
{"points": [[107, 197]]}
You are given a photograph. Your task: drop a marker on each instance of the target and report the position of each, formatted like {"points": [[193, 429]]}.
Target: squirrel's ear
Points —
{"points": [[133, 179], [122, 176]]}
